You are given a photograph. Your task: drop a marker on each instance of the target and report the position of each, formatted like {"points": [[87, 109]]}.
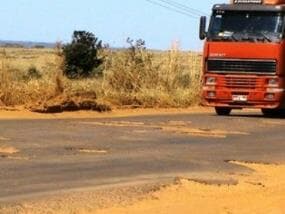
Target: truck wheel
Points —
{"points": [[272, 112], [223, 111]]}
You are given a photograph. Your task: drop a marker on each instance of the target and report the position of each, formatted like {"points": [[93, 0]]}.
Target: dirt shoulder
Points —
{"points": [[259, 192], [21, 113]]}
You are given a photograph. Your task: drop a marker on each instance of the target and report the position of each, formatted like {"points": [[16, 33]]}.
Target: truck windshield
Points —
{"points": [[246, 26]]}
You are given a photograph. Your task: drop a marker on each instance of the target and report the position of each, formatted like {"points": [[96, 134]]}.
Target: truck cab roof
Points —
{"points": [[249, 7]]}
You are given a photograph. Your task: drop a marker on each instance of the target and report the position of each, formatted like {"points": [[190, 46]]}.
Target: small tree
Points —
{"points": [[81, 55]]}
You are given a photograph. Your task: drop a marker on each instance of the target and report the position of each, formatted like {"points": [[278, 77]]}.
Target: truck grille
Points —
{"points": [[240, 82], [247, 66]]}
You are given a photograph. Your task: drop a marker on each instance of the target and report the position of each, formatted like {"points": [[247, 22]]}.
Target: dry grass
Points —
{"points": [[141, 78], [152, 79]]}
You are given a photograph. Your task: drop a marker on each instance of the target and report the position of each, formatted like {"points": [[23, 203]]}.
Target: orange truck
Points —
{"points": [[244, 56]]}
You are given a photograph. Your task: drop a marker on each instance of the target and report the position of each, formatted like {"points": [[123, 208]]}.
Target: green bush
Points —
{"points": [[81, 55]]}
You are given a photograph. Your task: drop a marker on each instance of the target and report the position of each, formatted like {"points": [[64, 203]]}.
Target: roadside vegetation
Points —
{"points": [[131, 77]]}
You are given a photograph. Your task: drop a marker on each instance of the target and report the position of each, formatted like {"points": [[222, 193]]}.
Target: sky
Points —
{"points": [[111, 20]]}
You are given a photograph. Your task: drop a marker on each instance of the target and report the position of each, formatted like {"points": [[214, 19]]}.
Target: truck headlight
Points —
{"points": [[273, 82], [211, 94], [269, 96], [211, 80]]}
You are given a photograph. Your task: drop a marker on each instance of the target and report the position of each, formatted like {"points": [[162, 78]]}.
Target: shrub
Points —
{"points": [[132, 69], [81, 55], [32, 73], [39, 46]]}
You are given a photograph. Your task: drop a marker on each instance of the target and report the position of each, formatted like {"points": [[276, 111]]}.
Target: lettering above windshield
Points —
{"points": [[246, 26]]}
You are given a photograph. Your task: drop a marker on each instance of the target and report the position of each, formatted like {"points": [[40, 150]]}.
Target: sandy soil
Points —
{"points": [[263, 191], [21, 113]]}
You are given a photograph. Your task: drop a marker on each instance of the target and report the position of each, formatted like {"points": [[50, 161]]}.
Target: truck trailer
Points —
{"points": [[244, 56]]}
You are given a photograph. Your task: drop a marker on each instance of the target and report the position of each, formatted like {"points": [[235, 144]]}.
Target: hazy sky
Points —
{"points": [[111, 20]]}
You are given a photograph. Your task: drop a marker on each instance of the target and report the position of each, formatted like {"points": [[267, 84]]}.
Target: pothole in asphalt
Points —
{"points": [[214, 182], [10, 153], [178, 127], [117, 124], [92, 151], [4, 149], [4, 138], [86, 150], [242, 163], [12, 157], [273, 122], [140, 131], [201, 132]]}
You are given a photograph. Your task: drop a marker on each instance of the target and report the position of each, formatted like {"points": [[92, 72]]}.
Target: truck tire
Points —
{"points": [[223, 111], [273, 112]]}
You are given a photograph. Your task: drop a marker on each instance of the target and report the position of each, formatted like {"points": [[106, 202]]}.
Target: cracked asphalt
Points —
{"points": [[59, 155]]}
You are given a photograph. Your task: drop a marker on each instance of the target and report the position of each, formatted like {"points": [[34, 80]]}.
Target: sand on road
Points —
{"points": [[262, 191], [21, 113]]}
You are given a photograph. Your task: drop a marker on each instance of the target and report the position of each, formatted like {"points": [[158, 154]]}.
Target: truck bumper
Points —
{"points": [[252, 99]]}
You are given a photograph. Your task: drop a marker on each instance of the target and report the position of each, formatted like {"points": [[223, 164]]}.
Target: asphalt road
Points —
{"points": [[62, 155]]}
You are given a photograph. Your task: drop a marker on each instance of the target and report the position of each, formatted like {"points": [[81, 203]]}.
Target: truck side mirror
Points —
{"points": [[203, 33]]}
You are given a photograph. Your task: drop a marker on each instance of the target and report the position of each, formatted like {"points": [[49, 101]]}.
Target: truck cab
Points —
{"points": [[244, 56]]}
